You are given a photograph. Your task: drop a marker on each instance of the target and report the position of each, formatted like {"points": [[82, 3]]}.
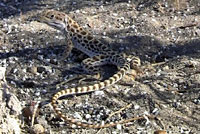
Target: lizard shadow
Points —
{"points": [[153, 50], [16, 8]]}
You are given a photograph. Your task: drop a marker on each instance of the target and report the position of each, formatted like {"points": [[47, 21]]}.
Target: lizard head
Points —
{"points": [[53, 18]]}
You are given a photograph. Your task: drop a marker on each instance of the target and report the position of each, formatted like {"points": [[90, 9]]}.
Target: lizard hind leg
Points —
{"points": [[92, 65]]}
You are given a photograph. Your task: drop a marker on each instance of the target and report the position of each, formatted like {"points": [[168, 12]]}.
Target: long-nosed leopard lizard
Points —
{"points": [[99, 54]]}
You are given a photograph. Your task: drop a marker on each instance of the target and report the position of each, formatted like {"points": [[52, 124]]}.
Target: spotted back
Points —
{"points": [[82, 39]]}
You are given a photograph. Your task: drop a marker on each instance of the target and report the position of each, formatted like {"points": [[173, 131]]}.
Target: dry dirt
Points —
{"points": [[164, 34]]}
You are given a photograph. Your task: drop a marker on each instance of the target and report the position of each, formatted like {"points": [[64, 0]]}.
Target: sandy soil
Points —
{"points": [[164, 34]]}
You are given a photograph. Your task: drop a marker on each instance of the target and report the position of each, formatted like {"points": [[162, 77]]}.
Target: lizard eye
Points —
{"points": [[52, 16]]}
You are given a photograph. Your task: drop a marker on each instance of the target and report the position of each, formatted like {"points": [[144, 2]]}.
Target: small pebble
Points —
{"points": [[115, 14], [73, 126], [98, 116], [136, 107], [99, 93], [197, 101], [40, 57], [44, 91], [15, 70], [155, 111], [87, 116], [32, 70], [2, 72], [166, 68], [38, 129], [77, 115], [37, 93], [119, 126]]}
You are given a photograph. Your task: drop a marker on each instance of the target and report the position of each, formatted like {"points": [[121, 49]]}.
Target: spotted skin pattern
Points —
{"points": [[99, 54]]}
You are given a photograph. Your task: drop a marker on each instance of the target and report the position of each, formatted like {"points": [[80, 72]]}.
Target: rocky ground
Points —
{"points": [[163, 34]]}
